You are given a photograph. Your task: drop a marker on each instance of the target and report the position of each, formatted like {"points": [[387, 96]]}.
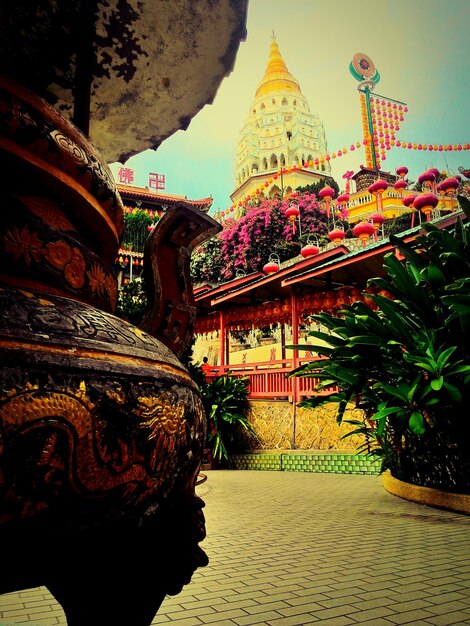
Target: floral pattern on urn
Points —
{"points": [[101, 426]]}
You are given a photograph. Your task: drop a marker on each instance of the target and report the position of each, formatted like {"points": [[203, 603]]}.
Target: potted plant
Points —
{"points": [[225, 401], [405, 361]]}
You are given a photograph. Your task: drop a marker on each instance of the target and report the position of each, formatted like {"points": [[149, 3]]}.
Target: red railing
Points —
{"points": [[269, 379]]}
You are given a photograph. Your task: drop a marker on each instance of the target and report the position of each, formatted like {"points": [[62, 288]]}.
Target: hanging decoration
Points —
{"points": [[292, 213], [327, 194], [377, 189], [426, 203], [408, 201], [280, 312], [384, 118], [310, 249], [427, 179], [400, 185], [448, 188], [363, 231], [222, 215], [336, 236], [343, 199], [377, 220], [272, 266]]}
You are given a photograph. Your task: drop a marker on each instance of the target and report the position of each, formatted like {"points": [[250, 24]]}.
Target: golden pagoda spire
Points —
{"points": [[277, 77]]}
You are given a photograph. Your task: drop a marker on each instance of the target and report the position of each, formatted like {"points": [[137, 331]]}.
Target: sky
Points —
{"points": [[421, 49]]}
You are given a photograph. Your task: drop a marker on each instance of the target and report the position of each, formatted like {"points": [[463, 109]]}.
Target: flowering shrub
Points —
{"points": [[206, 261], [263, 229]]}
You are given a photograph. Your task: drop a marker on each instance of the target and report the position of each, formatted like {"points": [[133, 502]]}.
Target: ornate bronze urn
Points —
{"points": [[101, 426]]}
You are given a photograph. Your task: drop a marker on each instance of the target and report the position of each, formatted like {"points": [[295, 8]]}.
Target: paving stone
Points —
{"points": [[298, 548], [448, 619], [410, 617]]}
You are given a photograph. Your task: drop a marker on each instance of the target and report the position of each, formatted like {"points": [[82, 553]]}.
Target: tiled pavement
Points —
{"points": [[290, 548]]}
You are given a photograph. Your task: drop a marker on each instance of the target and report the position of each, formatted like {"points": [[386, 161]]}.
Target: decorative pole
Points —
{"points": [[363, 69]]}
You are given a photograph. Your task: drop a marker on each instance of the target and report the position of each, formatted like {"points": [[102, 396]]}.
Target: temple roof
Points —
{"points": [[143, 193], [277, 77]]}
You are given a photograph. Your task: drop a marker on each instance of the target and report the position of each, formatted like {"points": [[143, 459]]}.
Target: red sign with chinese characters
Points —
{"points": [[126, 176], [156, 181]]}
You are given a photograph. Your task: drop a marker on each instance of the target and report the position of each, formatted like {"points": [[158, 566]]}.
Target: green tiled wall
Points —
{"points": [[306, 461]]}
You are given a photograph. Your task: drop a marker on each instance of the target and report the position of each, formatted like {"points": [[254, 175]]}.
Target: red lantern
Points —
{"points": [[363, 231], [292, 212], [271, 267], [377, 220], [409, 200], [327, 193], [336, 236], [343, 198], [309, 250], [426, 202], [377, 189], [449, 185], [426, 179], [400, 185]]}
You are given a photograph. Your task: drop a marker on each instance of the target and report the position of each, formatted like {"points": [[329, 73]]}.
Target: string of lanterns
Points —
{"points": [[431, 147], [287, 170], [433, 194], [124, 259], [339, 153], [280, 311]]}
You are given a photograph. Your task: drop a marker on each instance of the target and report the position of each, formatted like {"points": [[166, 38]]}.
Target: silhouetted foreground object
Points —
{"points": [[128, 73], [101, 427]]}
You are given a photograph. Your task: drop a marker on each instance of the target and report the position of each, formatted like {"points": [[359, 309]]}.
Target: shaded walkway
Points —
{"points": [[299, 548]]}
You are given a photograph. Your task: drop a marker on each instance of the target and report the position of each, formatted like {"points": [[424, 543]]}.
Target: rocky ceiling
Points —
{"points": [[128, 73]]}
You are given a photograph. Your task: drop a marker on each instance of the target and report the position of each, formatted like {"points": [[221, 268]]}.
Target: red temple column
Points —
{"points": [[295, 359], [222, 338]]}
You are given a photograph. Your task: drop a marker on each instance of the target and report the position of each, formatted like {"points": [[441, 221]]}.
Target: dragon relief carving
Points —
{"points": [[71, 443]]}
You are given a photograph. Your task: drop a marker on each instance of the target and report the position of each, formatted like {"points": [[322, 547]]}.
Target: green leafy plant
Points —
{"points": [[225, 401], [132, 301], [136, 225], [405, 361]]}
